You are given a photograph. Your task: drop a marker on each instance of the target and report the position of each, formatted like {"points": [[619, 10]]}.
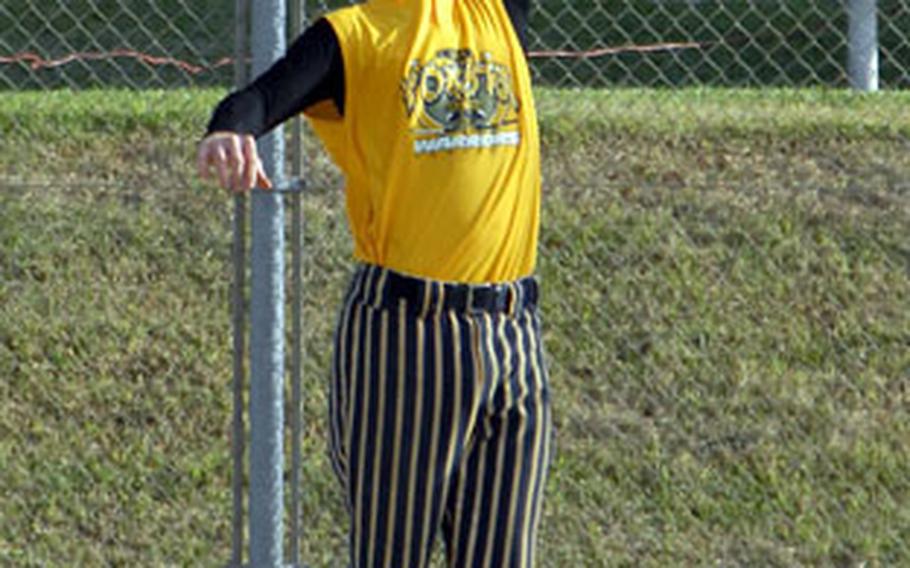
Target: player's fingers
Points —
{"points": [[251, 162], [222, 165], [203, 160], [262, 180], [236, 161], [208, 155]]}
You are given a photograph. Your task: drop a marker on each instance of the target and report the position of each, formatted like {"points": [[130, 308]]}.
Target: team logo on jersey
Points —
{"points": [[460, 100]]}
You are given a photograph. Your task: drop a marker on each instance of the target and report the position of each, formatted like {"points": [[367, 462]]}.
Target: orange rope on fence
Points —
{"points": [[652, 48], [35, 61]]}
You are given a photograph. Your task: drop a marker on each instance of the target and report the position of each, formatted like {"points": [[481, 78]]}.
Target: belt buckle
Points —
{"points": [[500, 297]]}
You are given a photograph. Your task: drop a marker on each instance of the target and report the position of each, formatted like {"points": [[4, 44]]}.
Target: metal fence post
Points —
{"points": [[863, 44], [297, 15], [238, 311], [267, 317]]}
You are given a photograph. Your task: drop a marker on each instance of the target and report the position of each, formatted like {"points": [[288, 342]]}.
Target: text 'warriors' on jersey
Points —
{"points": [[439, 142], [461, 101]]}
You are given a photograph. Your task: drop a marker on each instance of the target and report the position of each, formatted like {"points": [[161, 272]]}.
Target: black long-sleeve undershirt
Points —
{"points": [[311, 71]]}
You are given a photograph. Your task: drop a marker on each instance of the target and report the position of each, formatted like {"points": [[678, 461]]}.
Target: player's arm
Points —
{"points": [[520, 14], [310, 72]]}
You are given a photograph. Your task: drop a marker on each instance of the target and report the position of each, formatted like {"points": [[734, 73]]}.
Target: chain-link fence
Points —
{"points": [[725, 271], [677, 43], [653, 43], [104, 44]]}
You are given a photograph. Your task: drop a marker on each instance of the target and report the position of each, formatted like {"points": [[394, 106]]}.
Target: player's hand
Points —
{"points": [[234, 159]]}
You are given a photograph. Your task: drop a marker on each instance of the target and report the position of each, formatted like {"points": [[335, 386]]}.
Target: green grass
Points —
{"points": [[803, 113], [726, 314]]}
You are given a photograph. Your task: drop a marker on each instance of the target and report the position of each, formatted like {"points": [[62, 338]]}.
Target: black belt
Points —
{"points": [[385, 287]]}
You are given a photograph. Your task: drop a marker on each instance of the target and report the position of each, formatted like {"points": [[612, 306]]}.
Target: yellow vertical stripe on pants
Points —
{"points": [[440, 422]]}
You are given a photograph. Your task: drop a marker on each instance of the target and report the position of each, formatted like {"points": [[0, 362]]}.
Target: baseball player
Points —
{"points": [[439, 404]]}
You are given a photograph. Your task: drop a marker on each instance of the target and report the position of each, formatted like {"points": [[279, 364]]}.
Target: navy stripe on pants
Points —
{"points": [[440, 420]]}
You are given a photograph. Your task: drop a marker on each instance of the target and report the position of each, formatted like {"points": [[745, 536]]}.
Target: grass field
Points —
{"points": [[726, 306]]}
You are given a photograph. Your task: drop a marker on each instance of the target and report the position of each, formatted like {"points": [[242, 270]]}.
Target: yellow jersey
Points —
{"points": [[439, 142]]}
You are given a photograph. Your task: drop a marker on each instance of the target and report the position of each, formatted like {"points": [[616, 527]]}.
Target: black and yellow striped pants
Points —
{"points": [[440, 419]]}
